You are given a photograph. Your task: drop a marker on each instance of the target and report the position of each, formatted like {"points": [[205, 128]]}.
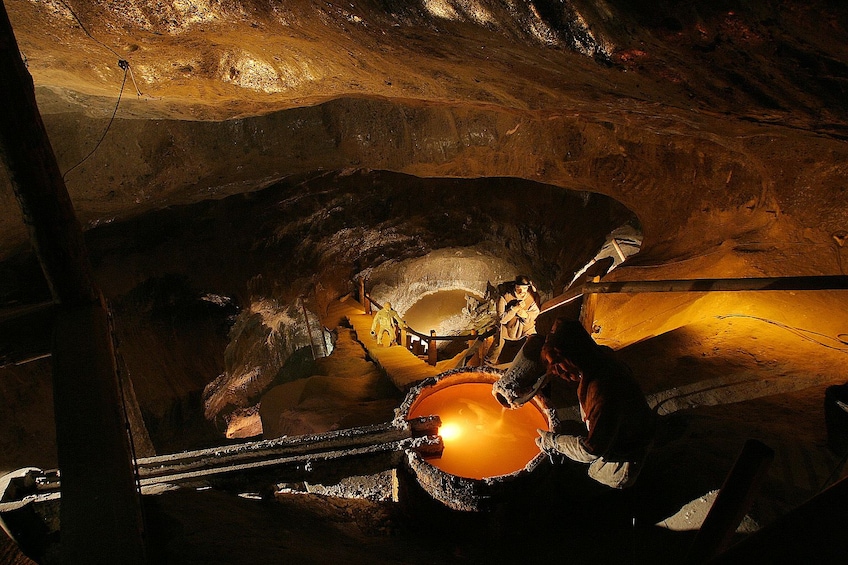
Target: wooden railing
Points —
{"points": [[588, 292], [430, 353]]}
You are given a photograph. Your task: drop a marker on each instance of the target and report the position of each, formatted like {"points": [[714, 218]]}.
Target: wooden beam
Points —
{"points": [[732, 502], [99, 493], [26, 152], [101, 508]]}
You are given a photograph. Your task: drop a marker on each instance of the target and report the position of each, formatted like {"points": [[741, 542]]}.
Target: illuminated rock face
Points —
{"points": [[240, 270]]}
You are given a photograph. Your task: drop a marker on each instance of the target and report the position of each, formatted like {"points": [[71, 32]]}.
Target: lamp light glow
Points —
{"points": [[450, 431], [481, 438]]}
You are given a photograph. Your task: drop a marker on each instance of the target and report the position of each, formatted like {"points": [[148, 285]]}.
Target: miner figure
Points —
{"points": [[386, 321], [619, 423], [517, 311]]}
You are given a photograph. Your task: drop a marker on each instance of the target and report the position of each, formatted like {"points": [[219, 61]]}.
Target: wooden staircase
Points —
{"points": [[401, 366]]}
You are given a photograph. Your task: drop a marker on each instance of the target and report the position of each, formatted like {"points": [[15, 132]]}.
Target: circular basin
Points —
{"points": [[486, 447]]}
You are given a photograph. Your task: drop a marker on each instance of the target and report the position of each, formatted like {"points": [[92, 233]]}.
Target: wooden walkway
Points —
{"points": [[402, 367]]}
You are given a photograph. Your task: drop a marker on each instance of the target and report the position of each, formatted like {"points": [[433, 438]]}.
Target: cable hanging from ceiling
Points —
{"points": [[124, 65]]}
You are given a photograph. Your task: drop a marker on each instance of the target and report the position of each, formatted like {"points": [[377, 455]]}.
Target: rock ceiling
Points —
{"points": [[709, 120]]}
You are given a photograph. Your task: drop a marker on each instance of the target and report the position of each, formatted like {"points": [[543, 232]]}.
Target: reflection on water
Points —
{"points": [[481, 438]]}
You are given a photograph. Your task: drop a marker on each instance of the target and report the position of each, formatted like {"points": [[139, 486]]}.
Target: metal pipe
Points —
{"points": [[827, 282], [281, 459]]}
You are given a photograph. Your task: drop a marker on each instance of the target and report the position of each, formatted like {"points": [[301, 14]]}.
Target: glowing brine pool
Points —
{"points": [[481, 438]]}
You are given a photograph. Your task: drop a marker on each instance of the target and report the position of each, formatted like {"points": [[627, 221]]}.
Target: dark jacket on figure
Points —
{"points": [[619, 421]]}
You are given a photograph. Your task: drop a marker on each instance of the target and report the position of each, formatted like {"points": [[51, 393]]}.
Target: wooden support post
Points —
{"points": [[368, 309], [476, 358], [587, 311], [362, 299], [98, 490], [732, 502], [432, 351], [308, 327], [54, 231], [811, 533], [100, 510]]}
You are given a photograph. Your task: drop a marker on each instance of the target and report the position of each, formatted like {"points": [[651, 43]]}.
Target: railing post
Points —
{"points": [[432, 353], [402, 339], [475, 357], [367, 304]]}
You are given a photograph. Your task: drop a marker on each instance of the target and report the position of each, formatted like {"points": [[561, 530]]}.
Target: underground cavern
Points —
{"points": [[241, 179]]}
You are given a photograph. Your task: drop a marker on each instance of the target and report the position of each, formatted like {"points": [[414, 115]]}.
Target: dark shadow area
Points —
{"points": [[560, 517]]}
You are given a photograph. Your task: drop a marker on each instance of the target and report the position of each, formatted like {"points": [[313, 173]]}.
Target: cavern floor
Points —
{"points": [[720, 380], [562, 516]]}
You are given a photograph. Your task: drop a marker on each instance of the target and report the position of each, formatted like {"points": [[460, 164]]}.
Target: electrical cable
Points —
{"points": [[123, 64], [800, 332]]}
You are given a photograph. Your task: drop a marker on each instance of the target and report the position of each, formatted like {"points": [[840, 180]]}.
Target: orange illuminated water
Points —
{"points": [[481, 438]]}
